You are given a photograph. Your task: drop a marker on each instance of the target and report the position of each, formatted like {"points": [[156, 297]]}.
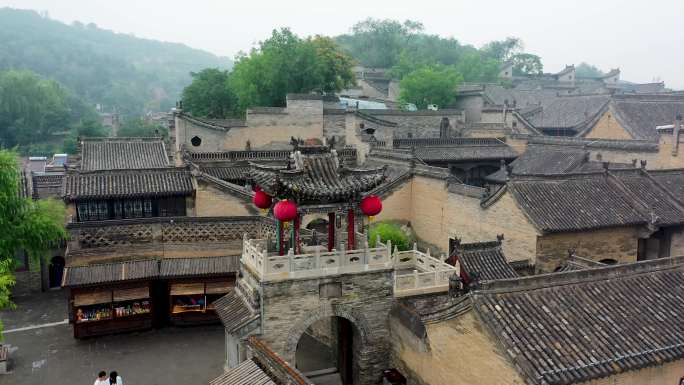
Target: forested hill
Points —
{"points": [[102, 67]]}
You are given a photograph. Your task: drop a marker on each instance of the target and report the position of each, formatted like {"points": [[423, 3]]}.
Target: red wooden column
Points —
{"points": [[350, 230], [331, 231]]}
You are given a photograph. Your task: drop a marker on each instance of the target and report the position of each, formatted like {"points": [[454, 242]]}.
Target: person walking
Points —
{"points": [[102, 379], [115, 378]]}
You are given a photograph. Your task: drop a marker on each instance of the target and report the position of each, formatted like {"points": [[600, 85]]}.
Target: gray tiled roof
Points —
{"points": [[227, 173], [109, 272], [498, 95], [247, 373], [148, 268], [541, 160], [484, 259], [653, 198], [465, 153], [552, 160], [571, 112], [574, 203], [316, 176], [233, 311], [618, 197], [573, 327], [672, 180], [640, 117], [127, 184], [196, 266], [123, 153]]}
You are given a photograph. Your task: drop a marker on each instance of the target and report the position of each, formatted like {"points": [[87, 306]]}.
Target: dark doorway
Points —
{"points": [[55, 271], [325, 352], [345, 350], [160, 300]]}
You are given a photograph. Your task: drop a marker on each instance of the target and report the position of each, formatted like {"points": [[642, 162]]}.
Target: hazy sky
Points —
{"points": [[644, 38]]}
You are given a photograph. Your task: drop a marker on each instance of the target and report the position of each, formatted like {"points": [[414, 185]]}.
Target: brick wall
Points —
{"points": [[290, 307], [334, 124], [619, 244], [28, 282]]}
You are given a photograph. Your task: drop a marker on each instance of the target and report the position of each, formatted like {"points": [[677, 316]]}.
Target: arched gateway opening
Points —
{"points": [[325, 351]]}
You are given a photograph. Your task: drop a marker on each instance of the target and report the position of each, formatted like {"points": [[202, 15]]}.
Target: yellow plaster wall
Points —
{"points": [[607, 127], [397, 205], [665, 158], [436, 214], [260, 136], [472, 223], [212, 202], [461, 353], [619, 243]]}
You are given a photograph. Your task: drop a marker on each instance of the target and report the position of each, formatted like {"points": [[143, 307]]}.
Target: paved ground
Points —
{"points": [[313, 356], [51, 356]]}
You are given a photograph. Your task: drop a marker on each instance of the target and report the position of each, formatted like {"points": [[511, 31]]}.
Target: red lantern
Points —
{"points": [[285, 210], [262, 200], [371, 205]]}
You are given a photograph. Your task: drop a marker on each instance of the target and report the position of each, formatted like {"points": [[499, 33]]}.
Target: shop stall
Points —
{"points": [[191, 301], [137, 295]]}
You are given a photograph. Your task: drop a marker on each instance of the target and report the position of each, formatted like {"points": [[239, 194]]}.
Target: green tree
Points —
{"points": [[378, 43], [502, 50], [115, 70], [89, 127], [388, 231], [333, 69], [430, 85], [585, 70], [527, 64], [209, 95], [25, 224], [477, 68], [284, 64], [30, 108]]}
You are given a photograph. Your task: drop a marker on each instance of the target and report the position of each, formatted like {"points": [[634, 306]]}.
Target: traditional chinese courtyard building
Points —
{"points": [[598, 325], [336, 288]]}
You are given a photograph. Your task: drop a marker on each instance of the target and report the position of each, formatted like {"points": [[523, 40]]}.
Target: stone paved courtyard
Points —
{"points": [[50, 355]]}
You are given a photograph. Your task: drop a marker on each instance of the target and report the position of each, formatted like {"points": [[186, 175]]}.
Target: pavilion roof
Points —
{"points": [[314, 174]]}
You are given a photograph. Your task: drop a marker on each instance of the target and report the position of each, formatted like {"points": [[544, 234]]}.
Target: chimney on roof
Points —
{"points": [[634, 162], [599, 157], [606, 166], [643, 163]]}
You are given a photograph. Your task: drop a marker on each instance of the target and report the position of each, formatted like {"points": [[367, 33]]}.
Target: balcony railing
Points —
{"points": [[319, 262], [415, 272], [420, 273]]}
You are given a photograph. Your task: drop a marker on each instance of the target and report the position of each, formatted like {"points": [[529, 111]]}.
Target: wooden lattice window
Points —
{"points": [[117, 207], [147, 208], [128, 209]]}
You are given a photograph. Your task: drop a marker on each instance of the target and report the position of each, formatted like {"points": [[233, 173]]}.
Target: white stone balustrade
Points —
{"points": [[270, 266], [420, 273], [415, 272]]}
